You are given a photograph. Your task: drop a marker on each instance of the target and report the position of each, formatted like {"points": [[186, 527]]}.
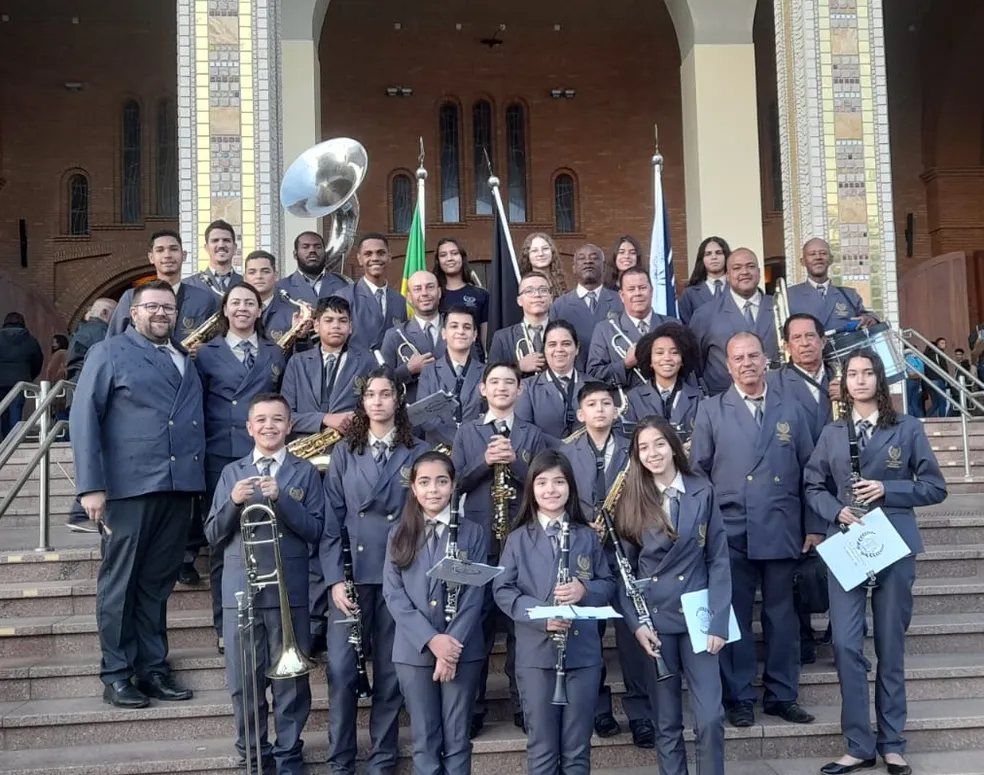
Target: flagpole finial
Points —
{"points": [[493, 180], [657, 156], [421, 172]]}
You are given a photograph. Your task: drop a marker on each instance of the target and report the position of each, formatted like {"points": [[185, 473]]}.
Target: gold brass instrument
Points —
{"points": [[286, 342], [322, 182], [405, 347], [622, 407], [205, 332], [444, 449], [611, 500], [780, 314], [618, 338], [836, 375], [316, 448]]}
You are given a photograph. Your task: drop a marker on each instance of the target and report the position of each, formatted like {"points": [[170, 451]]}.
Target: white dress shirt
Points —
{"points": [[278, 459], [749, 404], [755, 300], [373, 288], [234, 341], [491, 418], [178, 358]]}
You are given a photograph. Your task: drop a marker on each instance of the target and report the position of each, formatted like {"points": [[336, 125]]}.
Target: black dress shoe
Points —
{"points": [[643, 733], [606, 726], [898, 769], [740, 714], [319, 644], [519, 721], [789, 711], [836, 768], [162, 687], [477, 724], [808, 655], [188, 574], [124, 694]]}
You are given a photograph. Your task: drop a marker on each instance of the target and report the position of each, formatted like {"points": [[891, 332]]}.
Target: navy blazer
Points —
{"points": [[201, 280], [757, 473], [582, 458], [541, 404], [299, 289], [715, 323], [529, 579], [195, 306], [392, 341], [228, 389], [645, 400], [278, 318], [300, 522], [834, 309], [697, 559], [475, 475], [368, 501], [791, 381], [368, 324], [302, 386], [416, 602], [503, 347], [606, 364], [694, 297], [440, 376], [137, 426], [900, 457], [575, 311]]}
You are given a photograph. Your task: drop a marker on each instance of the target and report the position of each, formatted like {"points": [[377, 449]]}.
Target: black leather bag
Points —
{"points": [[810, 595]]}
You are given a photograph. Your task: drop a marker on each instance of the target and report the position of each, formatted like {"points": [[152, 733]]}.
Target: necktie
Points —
{"points": [[380, 298], [502, 428], [665, 395], [600, 490], [563, 382], [674, 499], [166, 352], [458, 368], [591, 298], [643, 328], [379, 453], [329, 377], [263, 465], [749, 317], [822, 290], [757, 409], [553, 533], [863, 428], [248, 357], [537, 338], [429, 332], [223, 282], [433, 526], [718, 285]]}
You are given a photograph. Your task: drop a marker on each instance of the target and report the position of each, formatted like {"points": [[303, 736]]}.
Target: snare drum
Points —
{"points": [[878, 338]]}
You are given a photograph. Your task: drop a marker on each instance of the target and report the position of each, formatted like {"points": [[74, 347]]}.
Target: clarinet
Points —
{"points": [[634, 594], [363, 688], [560, 638], [451, 591], [857, 506]]}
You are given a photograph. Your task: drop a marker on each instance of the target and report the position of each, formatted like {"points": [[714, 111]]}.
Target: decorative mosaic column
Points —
{"points": [[228, 123], [833, 113]]}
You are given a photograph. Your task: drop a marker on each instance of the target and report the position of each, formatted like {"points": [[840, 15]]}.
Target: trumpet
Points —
{"points": [[780, 314], [203, 333], [406, 346], [316, 448], [616, 342], [524, 346], [560, 638], [286, 342]]}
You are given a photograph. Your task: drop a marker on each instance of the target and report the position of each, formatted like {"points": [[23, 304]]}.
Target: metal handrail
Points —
{"points": [[906, 333], [47, 396], [962, 394], [16, 390]]}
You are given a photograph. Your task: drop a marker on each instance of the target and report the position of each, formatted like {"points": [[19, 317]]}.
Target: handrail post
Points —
{"points": [[963, 432], [44, 471]]}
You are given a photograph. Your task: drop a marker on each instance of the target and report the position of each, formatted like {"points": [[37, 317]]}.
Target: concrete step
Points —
{"points": [[60, 452], [70, 596], [191, 731]]}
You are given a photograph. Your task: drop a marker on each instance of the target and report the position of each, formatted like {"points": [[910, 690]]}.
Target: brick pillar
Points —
{"points": [[836, 163]]}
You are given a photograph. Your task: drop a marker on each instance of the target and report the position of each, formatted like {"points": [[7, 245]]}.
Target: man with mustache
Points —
{"points": [[220, 244], [753, 442], [312, 280]]}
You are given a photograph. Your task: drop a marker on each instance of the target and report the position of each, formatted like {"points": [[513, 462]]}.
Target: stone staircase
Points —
{"points": [[52, 720]]}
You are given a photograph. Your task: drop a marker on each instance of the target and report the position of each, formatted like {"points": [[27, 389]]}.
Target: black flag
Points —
{"points": [[504, 311]]}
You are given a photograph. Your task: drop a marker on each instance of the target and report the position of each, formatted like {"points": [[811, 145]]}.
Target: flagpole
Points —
{"points": [[660, 249], [421, 192], [494, 186]]}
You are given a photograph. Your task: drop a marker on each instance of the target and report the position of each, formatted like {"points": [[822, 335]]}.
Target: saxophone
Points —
{"points": [[203, 333], [286, 342], [611, 501], [316, 448]]}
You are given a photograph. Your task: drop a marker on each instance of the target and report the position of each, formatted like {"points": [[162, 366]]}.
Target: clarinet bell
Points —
{"points": [[560, 689], [662, 670]]}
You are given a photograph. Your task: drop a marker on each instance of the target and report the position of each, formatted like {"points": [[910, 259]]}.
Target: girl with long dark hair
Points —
{"points": [[459, 284], [626, 254], [438, 662], [898, 471], [709, 277], [557, 733], [673, 533]]}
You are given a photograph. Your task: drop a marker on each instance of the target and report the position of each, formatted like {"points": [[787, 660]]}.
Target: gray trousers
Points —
{"points": [[291, 696], [559, 736], [636, 666], [440, 717], [140, 562], [891, 608], [384, 716], [704, 691]]}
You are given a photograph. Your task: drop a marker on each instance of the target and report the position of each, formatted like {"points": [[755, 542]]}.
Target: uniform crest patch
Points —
{"points": [[275, 335], [840, 309], [525, 455], [188, 324], [397, 321], [297, 493], [702, 536], [405, 476], [894, 457], [275, 370], [583, 567], [782, 431]]}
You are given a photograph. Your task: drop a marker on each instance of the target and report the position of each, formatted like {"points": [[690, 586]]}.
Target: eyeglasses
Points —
{"points": [[534, 292], [153, 308]]}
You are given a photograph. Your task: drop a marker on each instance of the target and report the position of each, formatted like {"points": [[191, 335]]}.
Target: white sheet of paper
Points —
{"points": [[572, 612], [872, 546], [698, 614]]}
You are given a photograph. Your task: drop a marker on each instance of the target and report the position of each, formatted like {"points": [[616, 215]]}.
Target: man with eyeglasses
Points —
{"points": [[195, 305], [138, 438], [534, 299]]}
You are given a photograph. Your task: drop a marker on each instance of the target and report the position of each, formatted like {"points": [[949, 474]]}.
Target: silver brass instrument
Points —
{"points": [[560, 638], [780, 314], [451, 590], [617, 339], [405, 350], [321, 182], [524, 346], [286, 342]]}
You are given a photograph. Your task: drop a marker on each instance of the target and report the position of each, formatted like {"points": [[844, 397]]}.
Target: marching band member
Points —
{"points": [[138, 440], [590, 302], [740, 307], [559, 736], [897, 471], [498, 438], [422, 331], [270, 475], [709, 278], [833, 305], [604, 363], [534, 299], [752, 443], [376, 307], [234, 367], [667, 357], [195, 306], [277, 315], [540, 254], [673, 533], [312, 280], [220, 245], [549, 400], [597, 457], [319, 384], [805, 376], [458, 372], [456, 277], [365, 492], [438, 662], [626, 254]]}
